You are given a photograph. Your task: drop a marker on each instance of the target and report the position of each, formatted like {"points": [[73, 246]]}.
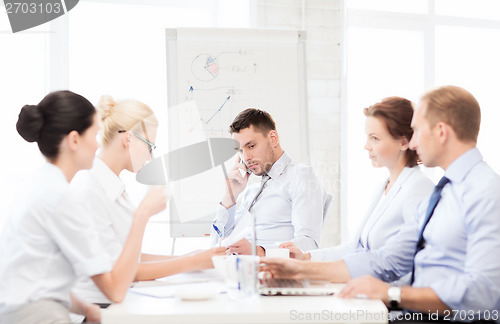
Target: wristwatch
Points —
{"points": [[394, 294]]}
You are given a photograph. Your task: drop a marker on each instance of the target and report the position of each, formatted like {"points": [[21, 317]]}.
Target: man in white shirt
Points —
{"points": [[288, 203]]}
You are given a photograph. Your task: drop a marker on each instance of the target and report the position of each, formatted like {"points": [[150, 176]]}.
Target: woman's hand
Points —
{"points": [[154, 202]]}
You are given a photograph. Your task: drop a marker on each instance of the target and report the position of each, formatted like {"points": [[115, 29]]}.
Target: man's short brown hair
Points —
{"points": [[456, 107], [257, 118]]}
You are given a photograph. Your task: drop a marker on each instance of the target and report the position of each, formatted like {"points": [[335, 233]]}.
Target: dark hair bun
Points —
{"points": [[30, 123]]}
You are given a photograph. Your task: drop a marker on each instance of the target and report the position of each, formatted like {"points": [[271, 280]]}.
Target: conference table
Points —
{"points": [[171, 300]]}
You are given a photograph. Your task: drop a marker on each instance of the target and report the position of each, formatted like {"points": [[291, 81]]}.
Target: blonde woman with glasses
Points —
{"points": [[128, 134]]}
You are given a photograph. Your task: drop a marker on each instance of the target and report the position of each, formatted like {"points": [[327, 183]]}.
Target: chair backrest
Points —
{"points": [[327, 204]]}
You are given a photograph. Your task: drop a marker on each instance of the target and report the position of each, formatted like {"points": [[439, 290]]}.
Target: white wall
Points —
{"points": [[321, 19]]}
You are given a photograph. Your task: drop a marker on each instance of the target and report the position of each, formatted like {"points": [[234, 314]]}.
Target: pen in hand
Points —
{"points": [[218, 233]]}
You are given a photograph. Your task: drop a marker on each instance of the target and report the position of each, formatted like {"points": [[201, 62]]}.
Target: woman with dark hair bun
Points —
{"points": [[47, 243], [54, 117], [388, 133]]}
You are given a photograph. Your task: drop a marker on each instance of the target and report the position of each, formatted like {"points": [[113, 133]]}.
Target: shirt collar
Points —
{"points": [[112, 185], [55, 172], [279, 166], [459, 168]]}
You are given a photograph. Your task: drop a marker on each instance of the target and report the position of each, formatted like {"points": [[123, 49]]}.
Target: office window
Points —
{"points": [[408, 6], [469, 57], [405, 53], [381, 63], [482, 9]]}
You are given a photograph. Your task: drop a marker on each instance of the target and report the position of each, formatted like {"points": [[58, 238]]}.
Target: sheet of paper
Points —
{"points": [[169, 290]]}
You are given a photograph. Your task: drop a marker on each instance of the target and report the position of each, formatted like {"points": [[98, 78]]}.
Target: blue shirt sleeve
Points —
{"points": [[476, 287], [394, 259]]}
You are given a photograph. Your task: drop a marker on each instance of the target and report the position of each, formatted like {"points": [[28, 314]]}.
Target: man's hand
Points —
{"points": [[243, 246], [366, 286], [236, 183], [422, 299], [295, 252], [283, 268]]}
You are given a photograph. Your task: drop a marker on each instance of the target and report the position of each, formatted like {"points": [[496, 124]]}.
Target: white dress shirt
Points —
{"points": [[47, 243], [462, 238], [106, 199], [290, 207], [385, 217]]}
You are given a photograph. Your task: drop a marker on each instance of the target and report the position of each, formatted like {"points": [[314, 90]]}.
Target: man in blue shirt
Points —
{"points": [[450, 245]]}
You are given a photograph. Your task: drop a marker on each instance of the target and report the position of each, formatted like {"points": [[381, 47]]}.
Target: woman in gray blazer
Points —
{"points": [[388, 133]]}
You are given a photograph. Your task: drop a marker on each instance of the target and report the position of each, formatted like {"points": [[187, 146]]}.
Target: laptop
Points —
{"points": [[292, 287]]}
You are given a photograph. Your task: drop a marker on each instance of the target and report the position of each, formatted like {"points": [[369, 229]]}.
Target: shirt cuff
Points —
{"points": [[92, 267], [358, 265], [305, 242], [316, 255], [450, 292], [223, 215], [269, 246]]}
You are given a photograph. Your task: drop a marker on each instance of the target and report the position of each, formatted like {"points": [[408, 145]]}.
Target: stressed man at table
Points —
{"points": [[448, 247], [287, 203]]}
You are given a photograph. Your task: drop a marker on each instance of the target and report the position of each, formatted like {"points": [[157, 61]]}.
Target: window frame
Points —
{"points": [[424, 23]]}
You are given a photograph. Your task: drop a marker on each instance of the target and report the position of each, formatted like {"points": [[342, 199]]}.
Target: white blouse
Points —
{"points": [[47, 242], [106, 199]]}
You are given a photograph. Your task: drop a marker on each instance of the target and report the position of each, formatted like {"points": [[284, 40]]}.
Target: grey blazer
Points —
{"points": [[411, 186]]}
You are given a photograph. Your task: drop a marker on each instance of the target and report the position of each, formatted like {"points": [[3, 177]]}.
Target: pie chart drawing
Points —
{"points": [[205, 67]]}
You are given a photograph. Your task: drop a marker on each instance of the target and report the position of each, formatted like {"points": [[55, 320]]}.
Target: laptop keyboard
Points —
{"points": [[283, 283]]}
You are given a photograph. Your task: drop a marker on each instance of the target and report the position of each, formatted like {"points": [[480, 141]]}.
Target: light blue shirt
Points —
{"points": [[460, 260], [290, 208]]}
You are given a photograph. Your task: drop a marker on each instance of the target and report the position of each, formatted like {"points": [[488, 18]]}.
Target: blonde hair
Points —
{"points": [[122, 115]]}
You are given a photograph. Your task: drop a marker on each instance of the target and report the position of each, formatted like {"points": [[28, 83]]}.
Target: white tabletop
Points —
{"points": [[143, 309]]}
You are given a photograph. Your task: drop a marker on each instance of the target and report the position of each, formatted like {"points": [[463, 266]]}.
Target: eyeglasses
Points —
{"points": [[145, 140]]}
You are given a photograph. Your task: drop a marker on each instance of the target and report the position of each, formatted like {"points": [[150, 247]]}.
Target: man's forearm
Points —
{"points": [[422, 300], [228, 201]]}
